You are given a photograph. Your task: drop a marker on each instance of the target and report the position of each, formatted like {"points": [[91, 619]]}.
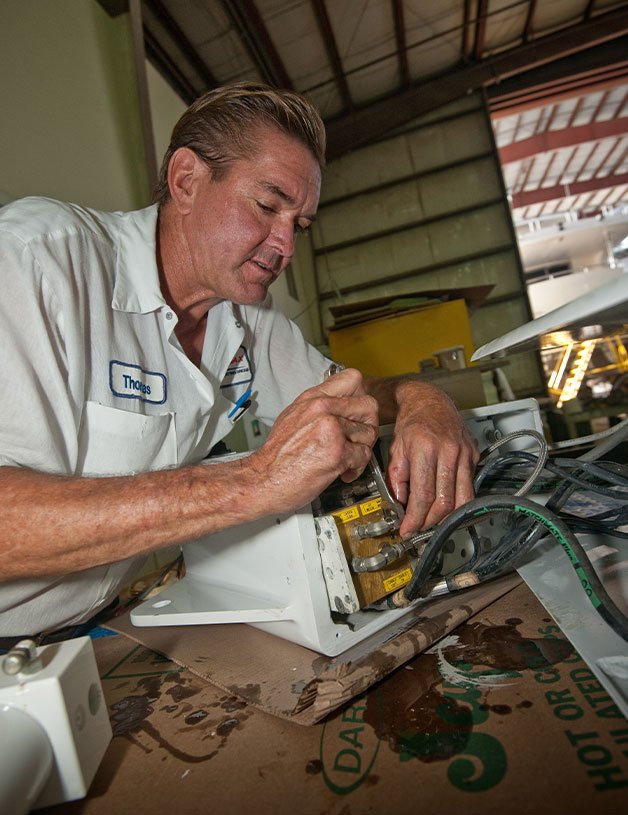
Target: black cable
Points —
{"points": [[524, 534], [477, 549], [506, 459], [473, 510], [606, 523], [614, 473]]}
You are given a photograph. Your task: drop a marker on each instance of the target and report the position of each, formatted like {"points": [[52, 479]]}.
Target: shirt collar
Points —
{"points": [[137, 280]]}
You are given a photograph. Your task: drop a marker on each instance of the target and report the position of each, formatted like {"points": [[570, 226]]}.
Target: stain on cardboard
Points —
{"points": [[232, 703], [196, 717], [314, 767], [129, 713], [503, 647], [416, 717], [131, 716], [251, 692]]}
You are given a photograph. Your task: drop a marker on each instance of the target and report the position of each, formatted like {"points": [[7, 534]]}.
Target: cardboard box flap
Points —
{"points": [[293, 682]]}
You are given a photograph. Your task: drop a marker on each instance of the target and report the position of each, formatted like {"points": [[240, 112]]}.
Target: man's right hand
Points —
{"points": [[327, 432], [56, 524]]}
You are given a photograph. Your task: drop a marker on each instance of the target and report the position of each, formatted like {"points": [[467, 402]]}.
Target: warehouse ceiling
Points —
{"points": [[555, 74]]}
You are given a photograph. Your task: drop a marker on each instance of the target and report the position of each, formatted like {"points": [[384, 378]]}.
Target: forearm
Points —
{"points": [[432, 456], [391, 392], [54, 525]]}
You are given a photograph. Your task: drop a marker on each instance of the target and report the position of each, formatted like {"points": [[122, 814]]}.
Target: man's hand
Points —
{"points": [[432, 457], [327, 432]]}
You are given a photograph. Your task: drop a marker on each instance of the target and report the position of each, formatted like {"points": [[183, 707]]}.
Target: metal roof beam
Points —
{"points": [[159, 11], [555, 139], [531, 197], [595, 68], [324, 23], [554, 94], [480, 29], [168, 68], [529, 26], [466, 25], [400, 37], [249, 22], [350, 131]]}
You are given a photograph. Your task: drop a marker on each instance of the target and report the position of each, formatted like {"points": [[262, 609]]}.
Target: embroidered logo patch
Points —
{"points": [[132, 382], [239, 371]]}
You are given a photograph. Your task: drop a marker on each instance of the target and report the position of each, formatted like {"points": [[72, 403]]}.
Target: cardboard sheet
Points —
{"points": [[500, 716], [293, 682]]}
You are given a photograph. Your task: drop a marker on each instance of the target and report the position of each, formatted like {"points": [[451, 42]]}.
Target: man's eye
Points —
{"points": [[265, 207], [299, 229]]}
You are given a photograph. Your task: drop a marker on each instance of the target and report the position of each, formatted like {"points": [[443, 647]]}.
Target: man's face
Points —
{"points": [[241, 230]]}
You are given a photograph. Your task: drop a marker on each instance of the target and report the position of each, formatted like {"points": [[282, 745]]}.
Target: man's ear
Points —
{"points": [[184, 172]]}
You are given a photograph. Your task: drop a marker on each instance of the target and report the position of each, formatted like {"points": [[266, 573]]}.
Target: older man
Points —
{"points": [[129, 339]]}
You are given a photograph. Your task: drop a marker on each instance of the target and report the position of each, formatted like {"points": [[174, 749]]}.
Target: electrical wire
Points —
{"points": [[473, 510], [540, 462], [609, 471], [585, 475], [621, 427], [595, 524], [531, 522], [512, 459]]}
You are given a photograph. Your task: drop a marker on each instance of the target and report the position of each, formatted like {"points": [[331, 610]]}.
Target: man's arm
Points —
{"points": [[432, 456], [54, 525]]}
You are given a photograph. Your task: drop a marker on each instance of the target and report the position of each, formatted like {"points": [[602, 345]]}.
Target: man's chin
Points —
{"points": [[253, 295]]}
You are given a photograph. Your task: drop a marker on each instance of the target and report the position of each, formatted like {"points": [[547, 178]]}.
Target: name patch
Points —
{"points": [[133, 382], [239, 371]]}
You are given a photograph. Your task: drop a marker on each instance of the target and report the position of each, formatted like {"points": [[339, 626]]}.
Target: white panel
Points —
{"points": [[363, 31], [559, 12], [433, 27], [505, 24], [295, 34], [563, 114], [587, 109]]}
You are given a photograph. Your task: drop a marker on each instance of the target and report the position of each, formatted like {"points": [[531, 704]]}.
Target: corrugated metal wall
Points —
{"points": [[424, 209]]}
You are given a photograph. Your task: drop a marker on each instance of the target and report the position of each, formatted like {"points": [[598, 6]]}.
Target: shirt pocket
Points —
{"points": [[118, 442]]}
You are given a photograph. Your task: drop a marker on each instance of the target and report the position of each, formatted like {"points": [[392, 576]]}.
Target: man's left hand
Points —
{"points": [[432, 457]]}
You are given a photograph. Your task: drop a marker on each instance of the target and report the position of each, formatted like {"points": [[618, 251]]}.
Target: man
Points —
{"points": [[129, 341]]}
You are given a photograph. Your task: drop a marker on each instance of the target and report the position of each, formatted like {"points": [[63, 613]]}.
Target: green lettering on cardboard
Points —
{"points": [[430, 745], [609, 783], [568, 712], [556, 697], [491, 758], [620, 736], [582, 675], [552, 676], [354, 713], [575, 657], [610, 712], [352, 736], [594, 755], [574, 738], [551, 629], [348, 761], [474, 714], [352, 767]]}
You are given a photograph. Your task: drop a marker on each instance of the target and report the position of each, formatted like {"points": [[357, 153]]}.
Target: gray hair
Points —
{"points": [[220, 127]]}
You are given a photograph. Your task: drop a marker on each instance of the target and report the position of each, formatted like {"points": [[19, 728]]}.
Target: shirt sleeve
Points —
{"points": [[285, 364], [39, 421]]}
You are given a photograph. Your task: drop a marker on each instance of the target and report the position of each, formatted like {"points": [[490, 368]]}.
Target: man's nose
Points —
{"points": [[281, 237]]}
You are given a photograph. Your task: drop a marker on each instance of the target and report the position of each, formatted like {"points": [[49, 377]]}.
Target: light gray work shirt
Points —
{"points": [[96, 382]]}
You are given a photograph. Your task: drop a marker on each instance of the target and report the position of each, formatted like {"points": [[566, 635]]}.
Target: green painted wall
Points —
{"points": [[70, 122]]}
